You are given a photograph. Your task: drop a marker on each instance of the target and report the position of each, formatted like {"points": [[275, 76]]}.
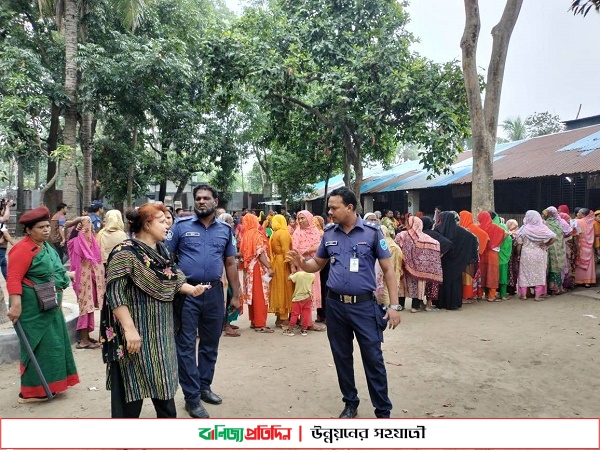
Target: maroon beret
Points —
{"points": [[35, 215]]}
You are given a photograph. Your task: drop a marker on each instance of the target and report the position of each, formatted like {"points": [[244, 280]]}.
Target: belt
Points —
{"points": [[212, 283], [350, 298]]}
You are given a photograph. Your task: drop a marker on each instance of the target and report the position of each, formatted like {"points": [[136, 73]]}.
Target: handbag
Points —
{"points": [[46, 295]]}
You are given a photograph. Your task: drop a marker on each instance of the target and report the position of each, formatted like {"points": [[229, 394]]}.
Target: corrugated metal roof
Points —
{"points": [[568, 152]]}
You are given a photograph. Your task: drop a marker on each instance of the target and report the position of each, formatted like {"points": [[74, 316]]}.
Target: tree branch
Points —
{"points": [[501, 34], [309, 108]]}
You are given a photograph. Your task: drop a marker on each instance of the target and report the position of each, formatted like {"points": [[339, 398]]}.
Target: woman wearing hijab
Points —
{"points": [[557, 257], [503, 256], [513, 263], [445, 243], [89, 284], [533, 240], [319, 223], [282, 288], [472, 288], [461, 254], [254, 248], [422, 263], [306, 240], [585, 270], [112, 234], [396, 258], [292, 225], [489, 262]]}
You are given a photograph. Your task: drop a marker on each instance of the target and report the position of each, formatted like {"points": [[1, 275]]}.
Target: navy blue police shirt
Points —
{"points": [[201, 251], [365, 242]]}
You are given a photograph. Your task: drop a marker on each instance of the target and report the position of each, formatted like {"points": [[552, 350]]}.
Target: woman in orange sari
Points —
{"points": [[282, 289], [256, 265], [472, 288], [306, 240], [489, 264]]}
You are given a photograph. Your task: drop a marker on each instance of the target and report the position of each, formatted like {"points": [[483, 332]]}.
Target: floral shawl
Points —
{"points": [[308, 237], [586, 240], [421, 253]]}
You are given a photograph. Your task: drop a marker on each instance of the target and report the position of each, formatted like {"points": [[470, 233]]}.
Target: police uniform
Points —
{"points": [[353, 311], [201, 253]]}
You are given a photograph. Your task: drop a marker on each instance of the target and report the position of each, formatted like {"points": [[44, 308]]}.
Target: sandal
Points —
{"points": [[539, 299], [414, 310], [523, 298], [265, 330], [90, 346], [22, 399], [468, 301], [232, 332], [491, 300], [314, 327], [234, 327]]}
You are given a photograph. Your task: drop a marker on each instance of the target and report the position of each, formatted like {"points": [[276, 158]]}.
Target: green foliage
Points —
{"points": [[540, 124]]}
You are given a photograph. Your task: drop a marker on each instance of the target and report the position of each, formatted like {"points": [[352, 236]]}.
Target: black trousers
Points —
{"points": [[120, 409]]}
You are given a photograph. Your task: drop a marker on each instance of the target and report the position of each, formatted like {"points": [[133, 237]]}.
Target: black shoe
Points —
{"points": [[209, 396], [196, 411], [349, 412]]}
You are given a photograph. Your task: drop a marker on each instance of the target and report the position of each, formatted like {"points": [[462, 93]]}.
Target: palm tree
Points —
{"points": [[514, 129]]}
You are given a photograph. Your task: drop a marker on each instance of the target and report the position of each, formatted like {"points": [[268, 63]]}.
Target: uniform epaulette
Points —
{"points": [[329, 226]]}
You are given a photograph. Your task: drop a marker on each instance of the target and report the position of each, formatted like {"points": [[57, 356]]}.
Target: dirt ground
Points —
{"points": [[510, 359]]}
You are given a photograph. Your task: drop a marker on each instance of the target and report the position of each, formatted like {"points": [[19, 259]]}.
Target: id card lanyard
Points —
{"points": [[354, 260]]}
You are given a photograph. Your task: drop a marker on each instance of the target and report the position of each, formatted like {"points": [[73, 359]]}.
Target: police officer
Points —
{"points": [[202, 245], [351, 245]]}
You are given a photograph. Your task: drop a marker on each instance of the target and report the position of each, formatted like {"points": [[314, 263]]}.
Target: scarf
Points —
{"points": [[421, 252], [279, 225], [252, 239], [564, 209], [83, 247], [506, 247], [445, 243], [552, 213], [495, 232], [319, 222], [112, 234], [307, 237], [152, 271], [390, 225], [534, 229], [466, 221]]}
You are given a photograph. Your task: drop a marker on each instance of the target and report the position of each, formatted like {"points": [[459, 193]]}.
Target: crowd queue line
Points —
{"points": [[173, 277]]}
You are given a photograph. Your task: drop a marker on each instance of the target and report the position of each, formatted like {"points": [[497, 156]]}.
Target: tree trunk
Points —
{"points": [[180, 187], [131, 168], [484, 118], [86, 149], [50, 191], [70, 194]]}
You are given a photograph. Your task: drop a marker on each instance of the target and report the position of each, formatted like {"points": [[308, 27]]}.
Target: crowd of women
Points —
{"points": [[455, 258], [440, 262]]}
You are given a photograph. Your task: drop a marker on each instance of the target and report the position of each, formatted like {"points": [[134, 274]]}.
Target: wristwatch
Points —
{"points": [[396, 307]]}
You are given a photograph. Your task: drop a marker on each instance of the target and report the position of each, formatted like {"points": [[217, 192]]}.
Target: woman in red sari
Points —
{"points": [[489, 263], [472, 288], [256, 265]]}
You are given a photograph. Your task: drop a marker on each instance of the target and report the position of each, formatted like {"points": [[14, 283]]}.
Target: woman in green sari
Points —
{"points": [[33, 261]]}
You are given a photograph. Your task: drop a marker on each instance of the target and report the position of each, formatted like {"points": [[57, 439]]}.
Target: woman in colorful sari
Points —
{"points": [[585, 270], [513, 263], [292, 226], [282, 288], [489, 263], [34, 261], [504, 255], [461, 254], [533, 240], [383, 296], [136, 324], [422, 264], [306, 240], [257, 272], [472, 288], [89, 284], [112, 234], [557, 257], [570, 248], [389, 224]]}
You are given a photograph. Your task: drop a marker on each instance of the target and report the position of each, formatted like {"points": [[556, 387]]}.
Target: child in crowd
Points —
{"points": [[301, 302]]}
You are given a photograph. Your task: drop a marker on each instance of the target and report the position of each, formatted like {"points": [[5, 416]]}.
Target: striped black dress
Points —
{"points": [[145, 280]]}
